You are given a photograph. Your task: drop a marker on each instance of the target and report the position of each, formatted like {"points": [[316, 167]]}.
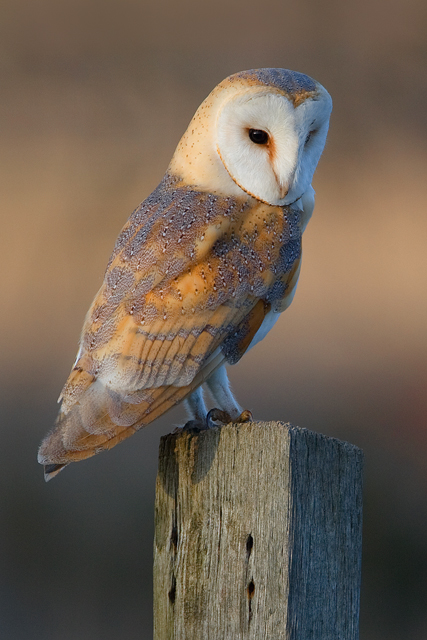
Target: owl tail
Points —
{"points": [[52, 470], [102, 418], [99, 421]]}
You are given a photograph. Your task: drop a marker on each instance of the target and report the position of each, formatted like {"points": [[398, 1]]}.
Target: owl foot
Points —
{"points": [[193, 426], [245, 416], [216, 417]]}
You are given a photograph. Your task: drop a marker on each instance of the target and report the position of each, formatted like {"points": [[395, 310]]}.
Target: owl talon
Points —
{"points": [[245, 416], [216, 418]]}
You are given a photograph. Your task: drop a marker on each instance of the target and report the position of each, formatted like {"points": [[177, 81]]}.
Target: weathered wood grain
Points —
{"points": [[258, 535]]}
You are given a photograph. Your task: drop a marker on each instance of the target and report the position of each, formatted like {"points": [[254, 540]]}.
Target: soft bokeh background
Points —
{"points": [[94, 98]]}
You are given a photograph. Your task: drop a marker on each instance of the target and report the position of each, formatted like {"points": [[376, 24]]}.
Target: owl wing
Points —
{"points": [[188, 285]]}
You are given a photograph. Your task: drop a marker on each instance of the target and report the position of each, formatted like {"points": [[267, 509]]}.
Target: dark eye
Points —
{"points": [[258, 136]]}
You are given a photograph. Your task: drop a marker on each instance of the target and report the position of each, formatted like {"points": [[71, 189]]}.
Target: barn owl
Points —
{"points": [[201, 270]]}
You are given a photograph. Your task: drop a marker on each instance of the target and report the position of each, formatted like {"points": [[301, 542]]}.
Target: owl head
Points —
{"points": [[258, 133]]}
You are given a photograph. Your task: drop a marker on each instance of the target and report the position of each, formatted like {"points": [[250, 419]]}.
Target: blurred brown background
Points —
{"points": [[94, 98]]}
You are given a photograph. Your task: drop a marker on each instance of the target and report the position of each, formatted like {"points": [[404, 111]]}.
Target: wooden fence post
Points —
{"points": [[258, 535]]}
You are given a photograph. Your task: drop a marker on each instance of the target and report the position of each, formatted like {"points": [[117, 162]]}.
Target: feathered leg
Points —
{"points": [[196, 410], [195, 405], [228, 408]]}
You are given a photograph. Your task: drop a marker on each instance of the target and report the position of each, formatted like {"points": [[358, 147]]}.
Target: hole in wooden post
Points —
{"points": [[249, 545], [174, 537], [172, 592], [251, 590]]}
